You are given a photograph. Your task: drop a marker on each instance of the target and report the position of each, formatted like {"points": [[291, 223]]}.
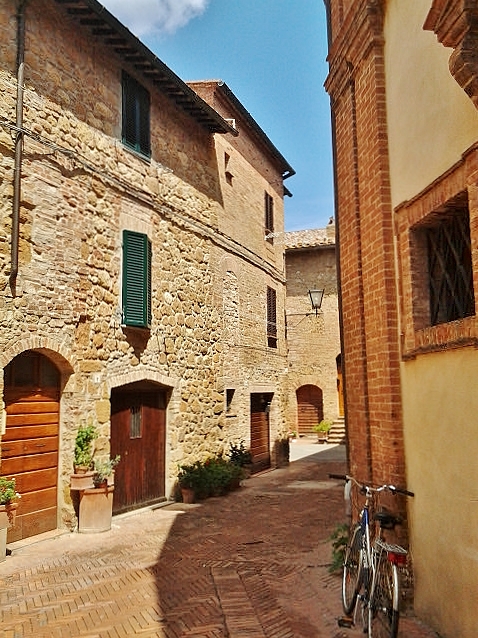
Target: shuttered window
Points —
{"points": [[136, 116], [136, 279], [271, 318], [269, 217]]}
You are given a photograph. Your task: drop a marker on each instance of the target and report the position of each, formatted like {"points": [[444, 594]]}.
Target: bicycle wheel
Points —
{"points": [[383, 612], [351, 575]]}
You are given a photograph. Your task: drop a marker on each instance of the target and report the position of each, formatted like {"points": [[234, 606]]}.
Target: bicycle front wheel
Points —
{"points": [[351, 575], [383, 609]]}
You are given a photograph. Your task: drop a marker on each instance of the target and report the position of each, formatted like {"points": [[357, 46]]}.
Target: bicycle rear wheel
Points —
{"points": [[383, 610], [352, 572]]}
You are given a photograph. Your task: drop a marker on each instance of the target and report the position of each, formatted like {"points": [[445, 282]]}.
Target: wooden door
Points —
{"points": [[310, 409], [30, 443], [260, 432], [138, 420]]}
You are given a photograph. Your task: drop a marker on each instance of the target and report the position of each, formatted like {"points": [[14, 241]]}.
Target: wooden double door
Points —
{"points": [[138, 433]]}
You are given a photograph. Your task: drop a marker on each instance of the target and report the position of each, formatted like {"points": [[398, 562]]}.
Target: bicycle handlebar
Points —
{"points": [[390, 488]]}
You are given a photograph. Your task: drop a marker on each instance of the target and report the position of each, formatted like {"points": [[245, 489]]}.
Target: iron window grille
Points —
{"points": [[271, 318], [450, 272], [136, 116], [136, 279]]}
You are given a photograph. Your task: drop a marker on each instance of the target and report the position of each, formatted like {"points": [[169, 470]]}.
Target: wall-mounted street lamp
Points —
{"points": [[316, 297]]}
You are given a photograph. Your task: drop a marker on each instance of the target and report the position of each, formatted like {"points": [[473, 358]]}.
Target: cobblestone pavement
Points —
{"points": [[252, 564]]}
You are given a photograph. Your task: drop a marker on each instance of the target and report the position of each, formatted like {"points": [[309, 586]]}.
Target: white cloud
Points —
{"points": [[155, 16]]}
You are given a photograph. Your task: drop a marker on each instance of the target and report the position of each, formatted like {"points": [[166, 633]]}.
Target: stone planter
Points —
{"points": [[95, 510]]}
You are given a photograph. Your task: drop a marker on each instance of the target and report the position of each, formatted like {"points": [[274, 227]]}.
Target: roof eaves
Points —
{"points": [[102, 24], [286, 168]]}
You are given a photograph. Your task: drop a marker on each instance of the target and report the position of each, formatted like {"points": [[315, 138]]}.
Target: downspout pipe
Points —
{"points": [[17, 170]]}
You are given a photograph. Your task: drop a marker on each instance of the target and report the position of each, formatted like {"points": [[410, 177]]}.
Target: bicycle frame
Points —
{"points": [[371, 575]]}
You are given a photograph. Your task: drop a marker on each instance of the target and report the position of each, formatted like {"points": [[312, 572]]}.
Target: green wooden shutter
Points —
{"points": [[136, 279], [136, 116]]}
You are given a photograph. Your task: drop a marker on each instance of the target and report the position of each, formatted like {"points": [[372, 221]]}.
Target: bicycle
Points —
{"points": [[370, 570]]}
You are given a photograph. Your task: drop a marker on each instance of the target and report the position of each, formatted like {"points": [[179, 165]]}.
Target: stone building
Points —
{"points": [[403, 82], [138, 291], [313, 340]]}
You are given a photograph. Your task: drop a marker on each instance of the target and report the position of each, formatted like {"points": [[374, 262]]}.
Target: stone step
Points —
{"points": [[337, 432]]}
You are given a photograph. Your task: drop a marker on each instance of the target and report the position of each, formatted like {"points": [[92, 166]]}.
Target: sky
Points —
{"points": [[272, 55]]}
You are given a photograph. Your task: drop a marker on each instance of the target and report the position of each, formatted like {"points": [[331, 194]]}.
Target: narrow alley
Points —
{"points": [[253, 564]]}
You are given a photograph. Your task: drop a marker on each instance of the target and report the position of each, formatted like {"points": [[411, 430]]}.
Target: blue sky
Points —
{"points": [[271, 54]]}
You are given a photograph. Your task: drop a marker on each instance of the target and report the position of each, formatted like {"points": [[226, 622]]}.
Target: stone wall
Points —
{"points": [[80, 189], [313, 341]]}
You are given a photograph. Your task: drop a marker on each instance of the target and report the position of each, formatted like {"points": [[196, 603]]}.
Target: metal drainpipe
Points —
{"points": [[17, 174]]}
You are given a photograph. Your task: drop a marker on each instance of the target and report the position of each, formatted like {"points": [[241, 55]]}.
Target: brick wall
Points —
{"points": [[365, 235]]}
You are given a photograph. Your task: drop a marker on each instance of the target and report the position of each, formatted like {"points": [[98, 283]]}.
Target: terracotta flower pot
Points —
{"points": [[188, 495], [8, 514]]}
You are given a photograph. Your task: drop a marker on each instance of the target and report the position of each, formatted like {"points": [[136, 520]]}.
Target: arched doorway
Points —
{"points": [[30, 442], [138, 435], [310, 408]]}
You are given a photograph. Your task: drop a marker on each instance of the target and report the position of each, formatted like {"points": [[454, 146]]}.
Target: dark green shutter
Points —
{"points": [[136, 116], [136, 279]]}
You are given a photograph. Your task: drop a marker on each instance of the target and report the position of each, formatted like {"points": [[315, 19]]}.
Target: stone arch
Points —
{"points": [[50, 348], [310, 407]]}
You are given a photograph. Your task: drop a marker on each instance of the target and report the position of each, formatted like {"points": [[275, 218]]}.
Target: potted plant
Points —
{"points": [[322, 430], [96, 502], [83, 447], [241, 456], [103, 471], [292, 435], [8, 508], [191, 480]]}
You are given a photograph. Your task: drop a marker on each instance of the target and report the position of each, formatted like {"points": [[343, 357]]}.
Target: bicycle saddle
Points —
{"points": [[387, 520]]}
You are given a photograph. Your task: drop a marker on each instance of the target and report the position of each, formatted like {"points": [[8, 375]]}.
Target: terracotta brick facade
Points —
{"points": [[365, 236]]}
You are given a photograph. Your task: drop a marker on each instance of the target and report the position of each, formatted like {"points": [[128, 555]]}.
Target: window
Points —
{"points": [[136, 279], [271, 318], [136, 113], [135, 429], [269, 217], [450, 275], [229, 397]]}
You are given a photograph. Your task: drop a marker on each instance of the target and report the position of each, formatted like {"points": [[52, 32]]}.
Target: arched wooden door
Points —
{"points": [[30, 442], [310, 408], [138, 433]]}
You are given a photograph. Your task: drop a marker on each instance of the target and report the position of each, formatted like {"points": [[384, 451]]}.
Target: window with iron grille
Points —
{"points": [[269, 217], [136, 279], [450, 274], [271, 318], [136, 116]]}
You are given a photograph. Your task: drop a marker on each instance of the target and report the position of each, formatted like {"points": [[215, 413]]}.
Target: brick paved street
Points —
{"points": [[253, 564]]}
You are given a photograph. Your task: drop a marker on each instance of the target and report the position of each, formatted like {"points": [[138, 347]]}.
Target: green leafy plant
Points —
{"points": [[213, 477], [8, 492], [339, 538], [103, 470], [324, 426], [83, 445], [239, 454]]}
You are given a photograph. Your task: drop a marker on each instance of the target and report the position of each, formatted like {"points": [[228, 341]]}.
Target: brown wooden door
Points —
{"points": [[260, 434], [30, 443], [310, 410], [138, 420]]}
